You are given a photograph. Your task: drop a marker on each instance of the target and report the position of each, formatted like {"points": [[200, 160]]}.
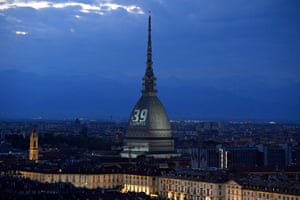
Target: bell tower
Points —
{"points": [[34, 146]]}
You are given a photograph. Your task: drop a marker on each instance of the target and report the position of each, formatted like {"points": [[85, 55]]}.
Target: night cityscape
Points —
{"points": [[213, 115]]}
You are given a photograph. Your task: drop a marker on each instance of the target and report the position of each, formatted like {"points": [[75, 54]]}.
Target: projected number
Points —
{"points": [[139, 115], [143, 115]]}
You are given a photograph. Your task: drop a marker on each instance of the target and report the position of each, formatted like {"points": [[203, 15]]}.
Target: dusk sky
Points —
{"points": [[213, 59]]}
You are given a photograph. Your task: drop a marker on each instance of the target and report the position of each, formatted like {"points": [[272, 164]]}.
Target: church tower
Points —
{"points": [[149, 131], [34, 146]]}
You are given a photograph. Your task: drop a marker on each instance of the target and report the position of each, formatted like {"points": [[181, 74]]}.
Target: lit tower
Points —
{"points": [[34, 146], [149, 131]]}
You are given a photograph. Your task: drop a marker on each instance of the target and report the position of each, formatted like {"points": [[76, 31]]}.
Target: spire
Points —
{"points": [[149, 78], [149, 47]]}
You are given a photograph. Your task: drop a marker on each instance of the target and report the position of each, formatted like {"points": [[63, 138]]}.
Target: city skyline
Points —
{"points": [[213, 60]]}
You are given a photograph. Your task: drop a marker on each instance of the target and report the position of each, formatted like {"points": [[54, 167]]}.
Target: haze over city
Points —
{"points": [[228, 60]]}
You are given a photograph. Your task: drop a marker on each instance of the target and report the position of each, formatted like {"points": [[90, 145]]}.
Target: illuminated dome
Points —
{"points": [[149, 119], [149, 131]]}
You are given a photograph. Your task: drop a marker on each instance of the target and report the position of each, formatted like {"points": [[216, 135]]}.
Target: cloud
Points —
{"points": [[92, 7], [21, 33], [15, 4]]}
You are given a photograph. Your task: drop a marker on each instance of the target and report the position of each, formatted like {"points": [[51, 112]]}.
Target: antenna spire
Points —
{"points": [[149, 47], [149, 78]]}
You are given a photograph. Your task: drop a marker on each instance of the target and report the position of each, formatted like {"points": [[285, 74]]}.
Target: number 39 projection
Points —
{"points": [[139, 117]]}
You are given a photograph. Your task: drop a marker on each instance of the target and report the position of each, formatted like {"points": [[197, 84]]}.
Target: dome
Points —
{"points": [[148, 119]]}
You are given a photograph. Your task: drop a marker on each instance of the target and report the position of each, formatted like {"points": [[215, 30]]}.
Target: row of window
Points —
{"points": [[166, 184]]}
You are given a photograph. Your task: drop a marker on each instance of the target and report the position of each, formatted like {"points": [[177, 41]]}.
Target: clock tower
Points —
{"points": [[149, 131]]}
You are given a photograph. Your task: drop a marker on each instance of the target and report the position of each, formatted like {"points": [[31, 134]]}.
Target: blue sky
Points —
{"points": [[214, 59]]}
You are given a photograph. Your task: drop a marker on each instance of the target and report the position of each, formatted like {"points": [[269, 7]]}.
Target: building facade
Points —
{"points": [[177, 187]]}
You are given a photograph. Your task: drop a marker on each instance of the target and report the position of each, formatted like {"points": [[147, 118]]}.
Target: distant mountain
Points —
{"points": [[27, 95]]}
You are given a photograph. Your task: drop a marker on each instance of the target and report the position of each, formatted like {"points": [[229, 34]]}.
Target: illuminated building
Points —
{"points": [[149, 131], [34, 146], [173, 186]]}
